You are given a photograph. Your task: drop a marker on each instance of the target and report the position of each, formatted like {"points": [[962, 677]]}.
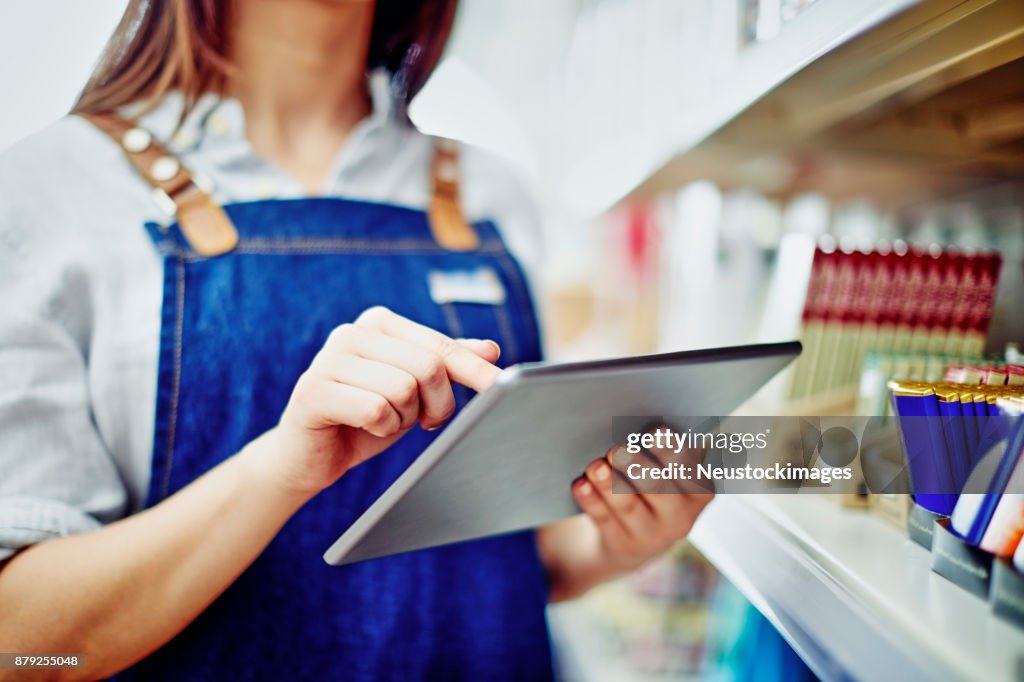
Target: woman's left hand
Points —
{"points": [[618, 533], [634, 527]]}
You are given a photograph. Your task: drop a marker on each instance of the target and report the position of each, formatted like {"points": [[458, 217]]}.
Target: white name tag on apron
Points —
{"points": [[481, 285]]}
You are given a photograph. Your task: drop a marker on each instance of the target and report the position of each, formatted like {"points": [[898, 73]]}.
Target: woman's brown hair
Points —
{"points": [[164, 45]]}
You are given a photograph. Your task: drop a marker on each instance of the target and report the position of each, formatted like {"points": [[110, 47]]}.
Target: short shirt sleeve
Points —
{"points": [[56, 476]]}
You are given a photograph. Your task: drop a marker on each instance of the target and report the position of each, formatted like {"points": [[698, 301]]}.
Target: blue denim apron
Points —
{"points": [[237, 331]]}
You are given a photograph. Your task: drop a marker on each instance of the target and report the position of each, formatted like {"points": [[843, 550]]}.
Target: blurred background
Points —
{"points": [[690, 158]]}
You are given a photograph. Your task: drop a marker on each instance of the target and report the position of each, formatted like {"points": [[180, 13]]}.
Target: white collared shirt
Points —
{"points": [[80, 289]]}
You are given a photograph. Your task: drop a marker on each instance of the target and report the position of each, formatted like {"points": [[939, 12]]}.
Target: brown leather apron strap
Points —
{"points": [[203, 222], [447, 222]]}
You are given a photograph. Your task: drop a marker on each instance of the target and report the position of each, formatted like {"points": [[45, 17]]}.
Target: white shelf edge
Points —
{"points": [[858, 601]]}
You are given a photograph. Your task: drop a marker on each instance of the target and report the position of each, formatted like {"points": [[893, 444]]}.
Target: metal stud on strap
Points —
{"points": [[164, 168], [447, 170], [136, 140]]}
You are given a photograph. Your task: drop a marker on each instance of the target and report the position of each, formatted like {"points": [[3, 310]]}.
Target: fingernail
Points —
{"points": [[603, 472], [585, 488], [497, 348]]}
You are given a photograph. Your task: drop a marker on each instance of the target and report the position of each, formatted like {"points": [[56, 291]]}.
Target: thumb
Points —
{"points": [[485, 348]]}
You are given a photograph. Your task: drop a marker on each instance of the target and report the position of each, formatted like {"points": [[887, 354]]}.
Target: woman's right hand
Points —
{"points": [[372, 381], [120, 592]]}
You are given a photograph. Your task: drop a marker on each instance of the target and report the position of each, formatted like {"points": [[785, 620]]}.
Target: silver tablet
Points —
{"points": [[507, 461]]}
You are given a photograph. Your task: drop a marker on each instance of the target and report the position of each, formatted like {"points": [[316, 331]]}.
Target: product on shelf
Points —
{"points": [[1002, 537], [964, 450], [924, 445], [947, 428], [975, 511], [934, 303]]}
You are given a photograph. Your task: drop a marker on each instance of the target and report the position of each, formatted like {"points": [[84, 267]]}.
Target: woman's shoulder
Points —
{"points": [[494, 190], [60, 176], [489, 176], [57, 152], [69, 202]]}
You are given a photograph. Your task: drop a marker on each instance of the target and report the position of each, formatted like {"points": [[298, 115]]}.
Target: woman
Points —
{"points": [[284, 340]]}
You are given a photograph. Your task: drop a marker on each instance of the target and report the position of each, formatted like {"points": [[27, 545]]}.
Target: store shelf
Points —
{"points": [[851, 594], [923, 102], [707, 89], [761, 67]]}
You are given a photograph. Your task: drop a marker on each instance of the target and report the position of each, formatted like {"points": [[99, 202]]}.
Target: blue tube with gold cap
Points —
{"points": [[953, 430], [924, 445]]}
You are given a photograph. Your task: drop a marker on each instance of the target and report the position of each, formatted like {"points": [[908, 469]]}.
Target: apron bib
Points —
{"points": [[237, 330]]}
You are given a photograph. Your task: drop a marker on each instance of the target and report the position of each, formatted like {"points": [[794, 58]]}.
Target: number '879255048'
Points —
{"points": [[26, 661]]}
